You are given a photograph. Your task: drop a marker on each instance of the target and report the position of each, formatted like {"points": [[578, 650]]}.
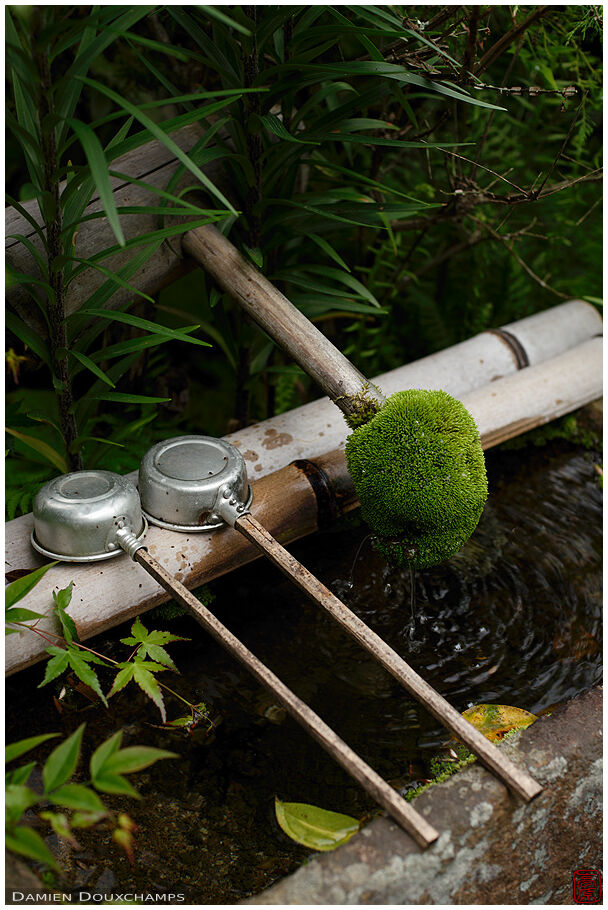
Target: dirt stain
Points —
{"points": [[250, 456], [275, 440]]}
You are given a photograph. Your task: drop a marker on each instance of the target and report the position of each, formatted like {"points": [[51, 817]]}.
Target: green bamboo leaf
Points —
{"points": [[28, 842], [214, 13], [171, 50], [90, 365], [277, 128], [61, 763], [28, 336], [77, 796], [145, 324], [68, 88], [33, 251], [126, 398], [318, 829], [347, 280], [113, 276], [15, 750], [328, 248], [160, 134], [22, 586], [43, 448], [137, 344], [99, 172]]}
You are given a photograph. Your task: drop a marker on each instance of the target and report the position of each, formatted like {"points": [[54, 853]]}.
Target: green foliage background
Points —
{"points": [[408, 176]]}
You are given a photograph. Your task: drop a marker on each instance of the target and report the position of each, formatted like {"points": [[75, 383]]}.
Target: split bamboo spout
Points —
{"points": [[292, 331]]}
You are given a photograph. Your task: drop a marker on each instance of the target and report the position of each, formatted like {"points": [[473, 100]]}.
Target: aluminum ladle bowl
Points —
{"points": [[82, 517], [189, 482]]}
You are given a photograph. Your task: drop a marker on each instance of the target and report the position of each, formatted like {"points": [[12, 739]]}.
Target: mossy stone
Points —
{"points": [[419, 471]]}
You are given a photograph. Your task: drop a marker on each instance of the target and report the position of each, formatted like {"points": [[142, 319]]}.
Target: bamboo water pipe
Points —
{"points": [[302, 482], [292, 331]]}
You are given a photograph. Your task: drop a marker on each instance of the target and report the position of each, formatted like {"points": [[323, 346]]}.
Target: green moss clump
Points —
{"points": [[419, 471]]}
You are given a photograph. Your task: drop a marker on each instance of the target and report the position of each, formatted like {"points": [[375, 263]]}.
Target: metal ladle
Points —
{"points": [[194, 483], [88, 516]]}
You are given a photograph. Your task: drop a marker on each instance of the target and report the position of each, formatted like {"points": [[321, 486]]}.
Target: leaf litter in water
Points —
{"points": [[495, 721], [318, 829]]}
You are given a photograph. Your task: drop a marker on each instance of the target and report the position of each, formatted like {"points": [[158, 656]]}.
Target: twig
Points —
{"points": [[506, 40], [564, 144], [504, 239]]}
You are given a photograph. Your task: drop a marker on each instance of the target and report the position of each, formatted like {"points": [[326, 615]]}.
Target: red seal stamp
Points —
{"points": [[587, 886]]}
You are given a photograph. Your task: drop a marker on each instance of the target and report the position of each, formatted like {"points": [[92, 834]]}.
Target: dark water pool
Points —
{"points": [[514, 618]]}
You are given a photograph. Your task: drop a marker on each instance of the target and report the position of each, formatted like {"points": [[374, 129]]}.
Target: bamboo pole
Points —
{"points": [[292, 331], [517, 780], [403, 813]]}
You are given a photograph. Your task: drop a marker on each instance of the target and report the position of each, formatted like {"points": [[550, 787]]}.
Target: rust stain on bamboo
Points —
{"points": [[274, 439]]}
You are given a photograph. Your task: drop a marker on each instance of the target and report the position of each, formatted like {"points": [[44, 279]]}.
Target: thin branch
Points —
{"points": [[507, 39], [564, 144], [504, 239]]}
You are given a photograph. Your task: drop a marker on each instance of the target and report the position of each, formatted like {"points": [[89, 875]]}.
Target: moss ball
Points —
{"points": [[419, 471]]}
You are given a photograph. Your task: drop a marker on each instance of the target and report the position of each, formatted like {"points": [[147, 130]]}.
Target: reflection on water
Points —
{"points": [[513, 618]]}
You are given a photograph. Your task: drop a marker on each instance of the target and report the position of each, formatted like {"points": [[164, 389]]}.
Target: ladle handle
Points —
{"points": [[280, 319], [515, 778], [422, 832]]}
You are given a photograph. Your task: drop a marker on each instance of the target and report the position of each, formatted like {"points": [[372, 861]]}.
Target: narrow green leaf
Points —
{"points": [[136, 344], [126, 398], [112, 276], [28, 842], [43, 448], [214, 13], [278, 129], [318, 829], [328, 248], [15, 750], [61, 763], [99, 171], [145, 324], [90, 365], [162, 137], [19, 588]]}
